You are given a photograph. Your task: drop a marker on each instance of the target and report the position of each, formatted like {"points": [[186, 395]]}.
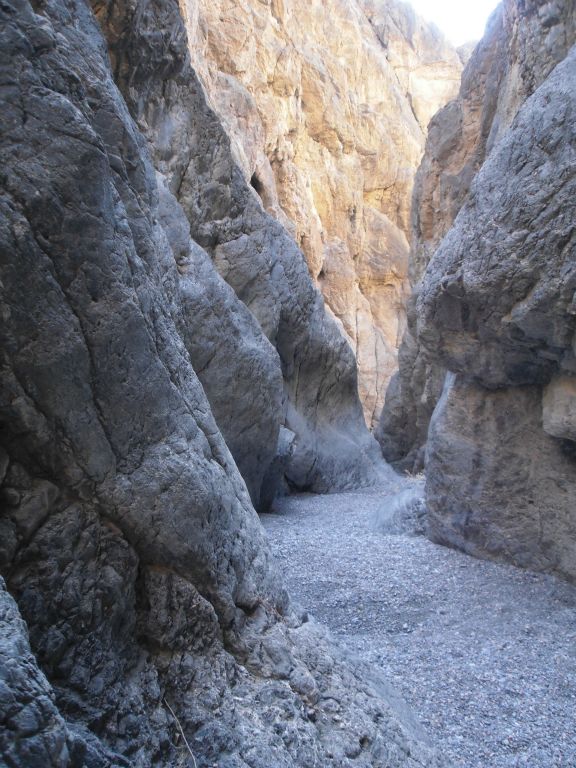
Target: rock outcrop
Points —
{"points": [[494, 304], [498, 486], [498, 306], [327, 105], [522, 44], [160, 629], [308, 431]]}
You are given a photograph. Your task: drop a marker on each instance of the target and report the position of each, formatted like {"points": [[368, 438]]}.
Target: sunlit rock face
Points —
{"points": [[327, 105], [427, 66], [522, 44]]}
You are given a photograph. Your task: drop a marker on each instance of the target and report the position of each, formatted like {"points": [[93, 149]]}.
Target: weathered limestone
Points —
{"points": [[497, 306], [327, 106], [559, 407], [522, 44], [427, 66], [497, 485], [325, 444], [127, 534]]}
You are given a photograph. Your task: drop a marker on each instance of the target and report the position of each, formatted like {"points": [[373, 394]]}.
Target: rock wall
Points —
{"points": [[295, 417], [523, 42], [160, 629], [498, 485], [495, 301], [498, 306], [327, 105]]}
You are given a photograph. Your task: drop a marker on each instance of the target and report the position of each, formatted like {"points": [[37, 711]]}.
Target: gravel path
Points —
{"points": [[485, 654]]}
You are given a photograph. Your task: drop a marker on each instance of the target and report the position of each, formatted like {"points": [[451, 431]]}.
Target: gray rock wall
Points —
{"points": [[498, 486], [522, 44], [326, 445], [497, 306], [127, 534]]}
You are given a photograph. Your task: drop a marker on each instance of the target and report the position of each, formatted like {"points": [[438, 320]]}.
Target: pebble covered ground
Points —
{"points": [[485, 654]]}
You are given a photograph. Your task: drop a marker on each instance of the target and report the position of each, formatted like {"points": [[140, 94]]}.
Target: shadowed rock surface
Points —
{"points": [[325, 444], [127, 534], [498, 485], [523, 43], [497, 306]]}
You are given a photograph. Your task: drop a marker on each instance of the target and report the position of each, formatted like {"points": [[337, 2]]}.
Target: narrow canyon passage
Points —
{"points": [[258, 247], [483, 653]]}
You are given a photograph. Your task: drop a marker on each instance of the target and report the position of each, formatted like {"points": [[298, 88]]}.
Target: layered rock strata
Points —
{"points": [[522, 44], [327, 105], [160, 630]]}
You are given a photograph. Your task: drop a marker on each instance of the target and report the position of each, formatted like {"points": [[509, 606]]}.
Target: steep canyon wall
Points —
{"points": [[327, 106], [166, 361], [495, 265], [522, 44]]}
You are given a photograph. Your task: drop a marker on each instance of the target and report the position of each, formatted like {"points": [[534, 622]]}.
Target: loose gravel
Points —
{"points": [[485, 654]]}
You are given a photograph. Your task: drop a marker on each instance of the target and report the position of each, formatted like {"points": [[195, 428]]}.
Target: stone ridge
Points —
{"points": [[327, 106], [522, 44]]}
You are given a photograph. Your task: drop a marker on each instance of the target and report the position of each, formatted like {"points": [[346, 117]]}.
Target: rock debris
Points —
{"points": [[483, 653]]}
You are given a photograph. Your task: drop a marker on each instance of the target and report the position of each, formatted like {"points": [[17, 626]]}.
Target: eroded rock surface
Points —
{"points": [[306, 430], [127, 534], [497, 306], [327, 105], [498, 486], [522, 44]]}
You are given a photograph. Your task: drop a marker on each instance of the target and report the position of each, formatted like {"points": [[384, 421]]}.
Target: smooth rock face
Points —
{"points": [[497, 306], [522, 44], [559, 408], [127, 534], [327, 106]]}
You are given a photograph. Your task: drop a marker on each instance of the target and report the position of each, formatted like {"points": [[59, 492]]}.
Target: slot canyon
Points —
{"points": [[288, 386]]}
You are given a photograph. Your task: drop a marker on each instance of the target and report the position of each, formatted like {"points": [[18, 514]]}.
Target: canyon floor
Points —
{"points": [[485, 654]]}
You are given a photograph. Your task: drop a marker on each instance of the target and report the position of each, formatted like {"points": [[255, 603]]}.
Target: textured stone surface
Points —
{"points": [[257, 258], [427, 66], [497, 485], [559, 407], [32, 732], [127, 534], [497, 298], [493, 643], [522, 44], [327, 106], [497, 306]]}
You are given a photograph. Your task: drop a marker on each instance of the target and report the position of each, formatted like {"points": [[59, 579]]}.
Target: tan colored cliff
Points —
{"points": [[326, 105]]}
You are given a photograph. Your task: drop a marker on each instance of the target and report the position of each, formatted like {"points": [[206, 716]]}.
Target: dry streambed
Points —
{"points": [[485, 654]]}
